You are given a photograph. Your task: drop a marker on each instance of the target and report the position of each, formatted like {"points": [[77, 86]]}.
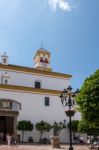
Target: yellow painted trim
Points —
{"points": [[44, 69], [28, 89], [34, 71]]}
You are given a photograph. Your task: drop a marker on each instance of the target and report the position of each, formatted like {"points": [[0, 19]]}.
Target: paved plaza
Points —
{"points": [[41, 147]]}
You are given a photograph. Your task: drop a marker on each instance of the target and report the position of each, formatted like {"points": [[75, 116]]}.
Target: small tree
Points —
{"points": [[74, 125], [83, 126], [23, 126], [43, 127], [57, 127]]}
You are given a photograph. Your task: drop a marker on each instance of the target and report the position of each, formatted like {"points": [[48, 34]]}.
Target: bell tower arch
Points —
{"points": [[42, 60]]}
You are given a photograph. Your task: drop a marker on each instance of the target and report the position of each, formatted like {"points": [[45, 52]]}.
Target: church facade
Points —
{"points": [[32, 94]]}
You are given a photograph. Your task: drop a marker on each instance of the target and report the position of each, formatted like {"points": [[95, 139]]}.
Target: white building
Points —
{"points": [[31, 94]]}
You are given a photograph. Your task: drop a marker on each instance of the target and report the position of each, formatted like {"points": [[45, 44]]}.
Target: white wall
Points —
{"points": [[33, 109], [24, 79]]}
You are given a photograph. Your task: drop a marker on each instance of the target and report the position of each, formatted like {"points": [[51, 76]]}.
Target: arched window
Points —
{"points": [[46, 61], [41, 59], [5, 78], [4, 60]]}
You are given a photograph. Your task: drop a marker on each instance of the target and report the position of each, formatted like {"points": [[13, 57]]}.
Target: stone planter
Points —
{"points": [[55, 142]]}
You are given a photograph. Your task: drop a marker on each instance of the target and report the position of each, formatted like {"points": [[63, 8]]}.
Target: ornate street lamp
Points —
{"points": [[67, 100]]}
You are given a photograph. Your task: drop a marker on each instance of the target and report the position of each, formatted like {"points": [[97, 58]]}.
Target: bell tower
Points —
{"points": [[42, 60], [4, 59]]}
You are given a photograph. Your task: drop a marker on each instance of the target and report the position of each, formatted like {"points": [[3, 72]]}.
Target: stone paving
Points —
{"points": [[41, 147]]}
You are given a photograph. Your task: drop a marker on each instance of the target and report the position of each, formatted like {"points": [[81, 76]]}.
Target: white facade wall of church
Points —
{"points": [[33, 109], [28, 80], [33, 104]]}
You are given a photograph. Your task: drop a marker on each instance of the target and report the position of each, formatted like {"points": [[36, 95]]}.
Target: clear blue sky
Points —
{"points": [[69, 29]]}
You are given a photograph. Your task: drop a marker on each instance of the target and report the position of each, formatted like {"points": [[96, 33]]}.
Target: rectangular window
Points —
{"points": [[47, 101], [5, 81], [37, 84]]}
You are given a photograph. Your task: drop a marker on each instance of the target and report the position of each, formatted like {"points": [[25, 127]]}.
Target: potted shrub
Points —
{"points": [[57, 127]]}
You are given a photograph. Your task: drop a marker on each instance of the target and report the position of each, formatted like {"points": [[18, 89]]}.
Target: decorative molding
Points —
{"points": [[28, 89], [34, 71], [8, 112]]}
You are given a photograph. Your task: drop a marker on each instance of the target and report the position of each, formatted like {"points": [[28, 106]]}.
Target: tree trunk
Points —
{"points": [[22, 135], [40, 140], [41, 135]]}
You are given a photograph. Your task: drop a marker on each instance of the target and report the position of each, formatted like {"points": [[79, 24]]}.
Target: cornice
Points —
{"points": [[28, 89], [34, 71], [6, 112], [42, 51]]}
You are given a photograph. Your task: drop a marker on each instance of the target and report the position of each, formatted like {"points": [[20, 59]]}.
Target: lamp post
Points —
{"points": [[67, 100]]}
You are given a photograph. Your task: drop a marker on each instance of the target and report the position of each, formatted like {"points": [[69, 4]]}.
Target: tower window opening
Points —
{"points": [[46, 61], [4, 60], [41, 59]]}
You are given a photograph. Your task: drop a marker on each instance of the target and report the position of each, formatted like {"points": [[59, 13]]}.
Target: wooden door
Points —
{"points": [[2, 124], [10, 125]]}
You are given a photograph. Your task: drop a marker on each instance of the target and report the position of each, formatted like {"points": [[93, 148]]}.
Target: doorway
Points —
{"points": [[6, 125]]}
